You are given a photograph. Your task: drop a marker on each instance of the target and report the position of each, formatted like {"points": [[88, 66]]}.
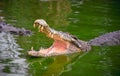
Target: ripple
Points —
{"points": [[11, 64]]}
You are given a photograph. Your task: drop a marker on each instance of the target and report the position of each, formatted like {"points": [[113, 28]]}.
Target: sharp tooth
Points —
{"points": [[41, 48], [39, 26], [34, 25], [51, 35], [42, 28], [32, 48]]}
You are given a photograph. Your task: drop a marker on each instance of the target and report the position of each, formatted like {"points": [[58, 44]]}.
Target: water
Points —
{"points": [[84, 18]]}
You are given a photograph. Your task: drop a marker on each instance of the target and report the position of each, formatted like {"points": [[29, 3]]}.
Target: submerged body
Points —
{"points": [[109, 39], [13, 30], [65, 43]]}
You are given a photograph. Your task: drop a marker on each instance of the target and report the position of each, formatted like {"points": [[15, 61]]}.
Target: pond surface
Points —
{"points": [[84, 18]]}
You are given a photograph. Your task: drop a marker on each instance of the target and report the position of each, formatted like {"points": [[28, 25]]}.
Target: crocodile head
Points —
{"points": [[64, 43]]}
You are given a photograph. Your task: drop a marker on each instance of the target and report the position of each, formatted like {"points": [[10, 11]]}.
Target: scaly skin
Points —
{"points": [[64, 43], [13, 30]]}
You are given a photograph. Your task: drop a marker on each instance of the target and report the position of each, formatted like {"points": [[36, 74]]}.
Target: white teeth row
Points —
{"points": [[40, 27], [51, 34], [33, 49], [41, 48]]}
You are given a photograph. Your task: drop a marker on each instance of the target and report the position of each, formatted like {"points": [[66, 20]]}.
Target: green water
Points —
{"points": [[84, 18]]}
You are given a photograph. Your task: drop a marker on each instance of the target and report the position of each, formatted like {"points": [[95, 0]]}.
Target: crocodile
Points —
{"points": [[65, 43], [4, 27]]}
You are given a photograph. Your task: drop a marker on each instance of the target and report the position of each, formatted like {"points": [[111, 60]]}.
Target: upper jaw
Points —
{"points": [[44, 27], [40, 22], [41, 27]]}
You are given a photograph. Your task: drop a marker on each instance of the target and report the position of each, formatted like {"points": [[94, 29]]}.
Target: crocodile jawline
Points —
{"points": [[64, 43]]}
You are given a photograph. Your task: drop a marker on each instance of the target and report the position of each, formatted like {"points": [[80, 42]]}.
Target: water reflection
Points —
{"points": [[23, 13], [53, 66], [10, 62], [88, 18]]}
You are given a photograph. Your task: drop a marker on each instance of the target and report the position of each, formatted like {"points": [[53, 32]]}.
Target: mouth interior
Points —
{"points": [[58, 45]]}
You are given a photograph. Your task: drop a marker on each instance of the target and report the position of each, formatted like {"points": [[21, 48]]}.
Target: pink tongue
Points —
{"points": [[60, 45]]}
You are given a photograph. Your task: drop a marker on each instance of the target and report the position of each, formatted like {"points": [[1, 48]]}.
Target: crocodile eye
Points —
{"points": [[21, 33], [13, 32]]}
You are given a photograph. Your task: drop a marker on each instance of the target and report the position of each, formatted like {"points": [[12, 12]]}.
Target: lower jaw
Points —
{"points": [[50, 52], [58, 48]]}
